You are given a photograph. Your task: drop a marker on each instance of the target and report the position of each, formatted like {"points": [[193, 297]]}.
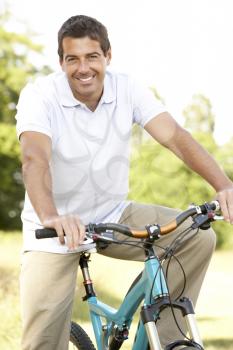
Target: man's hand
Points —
{"points": [[225, 198], [68, 225]]}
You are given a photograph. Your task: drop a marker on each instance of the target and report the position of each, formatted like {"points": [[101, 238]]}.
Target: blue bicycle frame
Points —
{"points": [[151, 284]]}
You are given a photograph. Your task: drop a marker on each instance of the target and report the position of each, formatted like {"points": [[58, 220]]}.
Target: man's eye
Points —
{"points": [[70, 59], [93, 57]]}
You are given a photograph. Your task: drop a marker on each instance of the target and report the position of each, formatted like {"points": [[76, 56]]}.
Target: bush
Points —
{"points": [[11, 186]]}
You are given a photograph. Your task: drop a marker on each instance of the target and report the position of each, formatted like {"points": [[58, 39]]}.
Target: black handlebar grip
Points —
{"points": [[97, 228], [45, 233], [214, 205]]}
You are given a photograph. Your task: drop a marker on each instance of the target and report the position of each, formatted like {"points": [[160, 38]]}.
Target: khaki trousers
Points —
{"points": [[48, 280]]}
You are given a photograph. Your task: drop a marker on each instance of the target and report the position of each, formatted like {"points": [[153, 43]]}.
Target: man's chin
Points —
{"points": [[84, 93]]}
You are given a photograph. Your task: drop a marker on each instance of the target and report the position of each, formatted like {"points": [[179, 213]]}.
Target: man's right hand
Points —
{"points": [[68, 225]]}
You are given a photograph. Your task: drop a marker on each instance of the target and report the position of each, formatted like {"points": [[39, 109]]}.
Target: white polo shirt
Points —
{"points": [[90, 150]]}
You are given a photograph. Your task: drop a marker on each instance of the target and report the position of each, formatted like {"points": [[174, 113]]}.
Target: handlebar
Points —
{"points": [[150, 231]]}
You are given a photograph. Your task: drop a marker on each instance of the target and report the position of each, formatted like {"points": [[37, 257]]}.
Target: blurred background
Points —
{"points": [[183, 51]]}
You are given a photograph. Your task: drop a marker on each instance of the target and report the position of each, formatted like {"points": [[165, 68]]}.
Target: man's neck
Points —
{"points": [[92, 102], [92, 105]]}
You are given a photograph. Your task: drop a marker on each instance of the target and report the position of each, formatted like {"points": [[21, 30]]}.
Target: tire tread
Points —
{"points": [[80, 338]]}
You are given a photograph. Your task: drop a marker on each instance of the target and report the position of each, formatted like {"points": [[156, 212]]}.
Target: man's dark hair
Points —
{"points": [[81, 26]]}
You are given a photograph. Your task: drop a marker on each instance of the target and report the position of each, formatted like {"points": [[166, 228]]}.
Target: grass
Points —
{"points": [[214, 310], [10, 328]]}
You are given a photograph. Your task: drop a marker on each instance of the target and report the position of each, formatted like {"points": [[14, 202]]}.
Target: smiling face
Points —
{"points": [[85, 65]]}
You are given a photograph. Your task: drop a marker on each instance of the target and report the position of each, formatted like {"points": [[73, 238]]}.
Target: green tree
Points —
{"points": [[199, 116], [15, 67], [11, 187], [225, 156], [15, 70]]}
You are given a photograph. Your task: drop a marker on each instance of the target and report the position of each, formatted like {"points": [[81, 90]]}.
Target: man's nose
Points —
{"points": [[83, 66]]}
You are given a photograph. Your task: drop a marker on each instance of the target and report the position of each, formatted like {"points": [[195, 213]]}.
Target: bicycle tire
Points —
{"points": [[189, 347], [183, 344], [80, 338]]}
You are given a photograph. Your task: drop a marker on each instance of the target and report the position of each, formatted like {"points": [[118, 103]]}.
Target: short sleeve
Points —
{"points": [[145, 105], [33, 112]]}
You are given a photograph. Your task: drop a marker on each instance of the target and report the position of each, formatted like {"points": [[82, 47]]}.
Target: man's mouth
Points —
{"points": [[86, 79]]}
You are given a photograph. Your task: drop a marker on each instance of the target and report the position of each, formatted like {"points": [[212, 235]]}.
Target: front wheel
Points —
{"points": [[79, 338], [186, 345]]}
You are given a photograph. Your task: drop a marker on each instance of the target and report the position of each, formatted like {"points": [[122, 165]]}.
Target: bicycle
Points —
{"points": [[150, 286]]}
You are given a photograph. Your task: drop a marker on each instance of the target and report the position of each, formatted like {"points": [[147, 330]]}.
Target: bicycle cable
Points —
{"points": [[166, 274], [177, 241], [181, 267], [183, 272]]}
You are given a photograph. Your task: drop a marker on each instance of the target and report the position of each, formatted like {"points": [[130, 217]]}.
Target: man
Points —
{"points": [[74, 128]]}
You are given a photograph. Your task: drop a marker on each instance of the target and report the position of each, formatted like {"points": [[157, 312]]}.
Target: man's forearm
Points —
{"points": [[199, 160], [38, 183], [37, 179]]}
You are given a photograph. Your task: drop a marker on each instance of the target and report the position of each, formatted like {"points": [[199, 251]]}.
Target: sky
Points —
{"points": [[180, 47]]}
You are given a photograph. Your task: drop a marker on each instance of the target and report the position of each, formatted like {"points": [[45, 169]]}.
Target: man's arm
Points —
{"points": [[36, 155], [167, 132]]}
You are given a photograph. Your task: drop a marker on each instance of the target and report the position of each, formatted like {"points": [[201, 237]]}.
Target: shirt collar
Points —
{"points": [[67, 98]]}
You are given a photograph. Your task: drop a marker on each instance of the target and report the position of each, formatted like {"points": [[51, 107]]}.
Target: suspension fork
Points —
{"points": [[150, 313]]}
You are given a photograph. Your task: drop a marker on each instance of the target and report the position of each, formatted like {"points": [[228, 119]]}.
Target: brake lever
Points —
{"points": [[218, 217], [102, 240], [203, 220], [106, 236]]}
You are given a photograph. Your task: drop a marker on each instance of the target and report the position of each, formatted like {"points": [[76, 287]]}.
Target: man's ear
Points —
{"points": [[109, 56], [61, 64]]}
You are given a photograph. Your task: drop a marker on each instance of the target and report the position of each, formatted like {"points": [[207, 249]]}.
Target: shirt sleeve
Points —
{"points": [[33, 112], [145, 105]]}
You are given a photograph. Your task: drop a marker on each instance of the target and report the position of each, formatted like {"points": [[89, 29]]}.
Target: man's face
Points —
{"points": [[84, 64]]}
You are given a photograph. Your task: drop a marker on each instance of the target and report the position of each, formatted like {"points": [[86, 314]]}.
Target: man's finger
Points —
{"points": [[69, 234], [81, 229], [60, 233]]}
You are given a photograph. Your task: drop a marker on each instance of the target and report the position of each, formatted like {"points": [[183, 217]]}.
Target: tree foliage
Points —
{"points": [[198, 115], [15, 68], [11, 186]]}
